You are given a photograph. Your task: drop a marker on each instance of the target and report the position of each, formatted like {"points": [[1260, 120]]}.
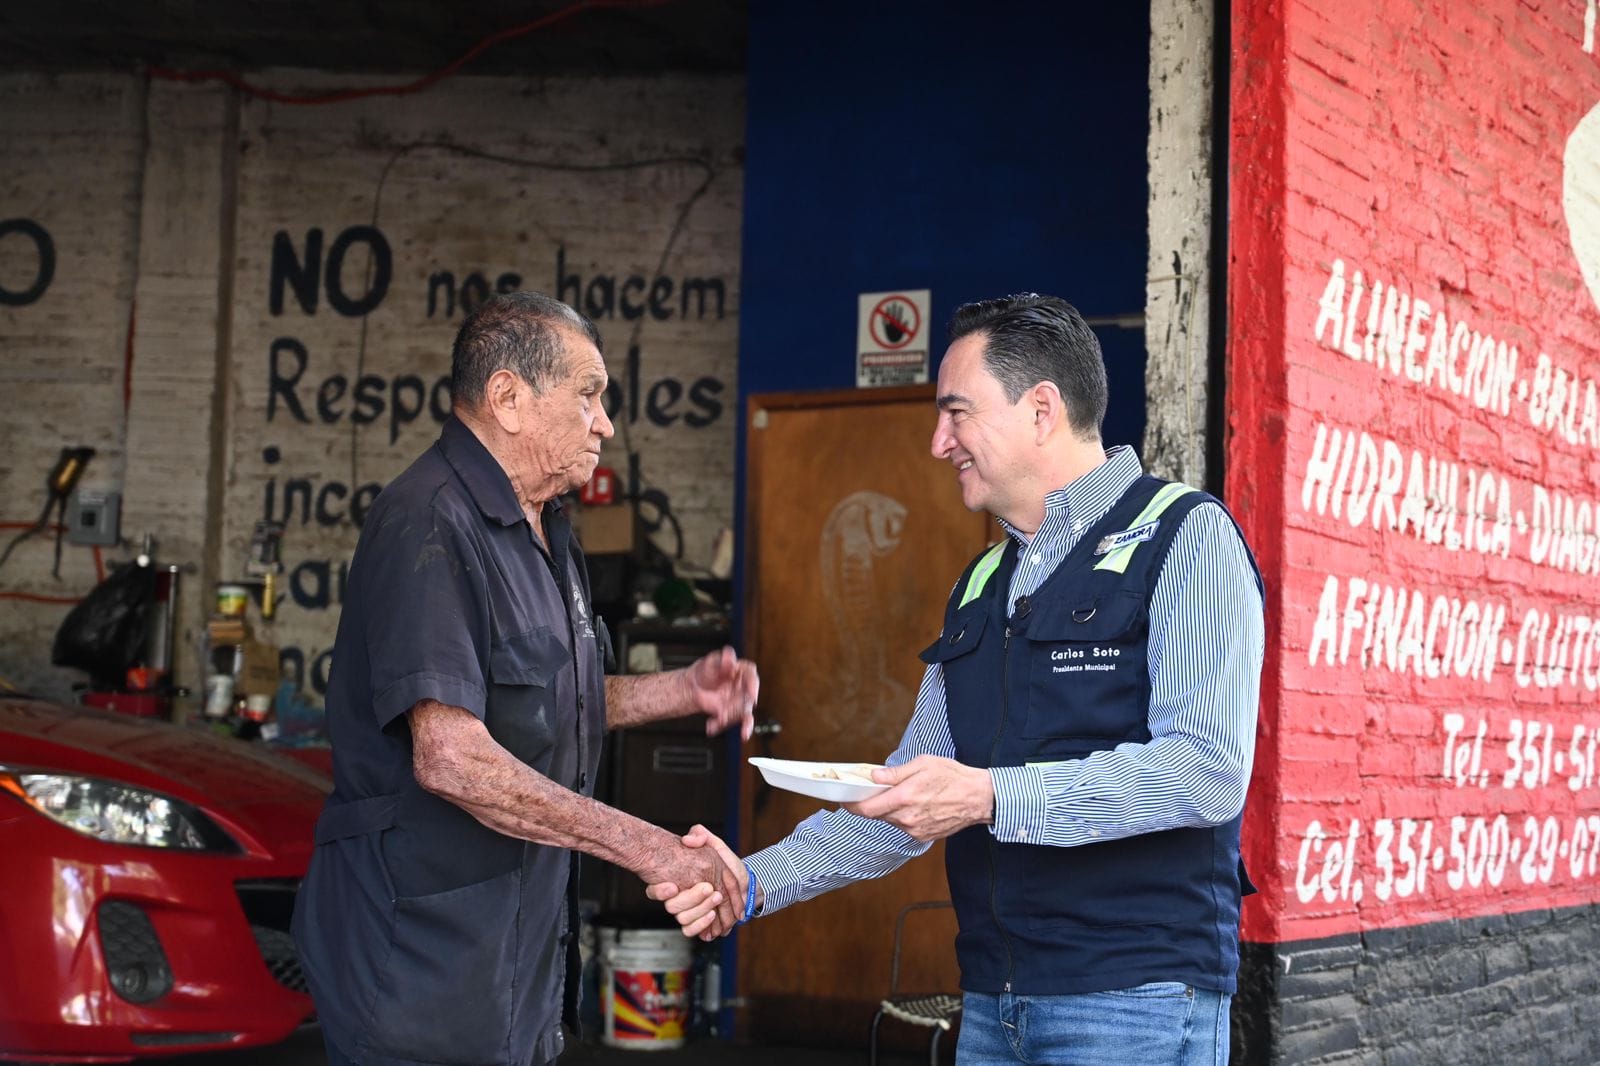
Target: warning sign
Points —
{"points": [[892, 338]]}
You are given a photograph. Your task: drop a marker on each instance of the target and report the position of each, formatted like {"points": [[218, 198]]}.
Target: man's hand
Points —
{"points": [[931, 797], [715, 880], [695, 907], [723, 687]]}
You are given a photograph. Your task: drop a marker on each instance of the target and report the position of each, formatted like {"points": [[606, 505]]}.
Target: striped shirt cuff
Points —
{"points": [[777, 876], [1021, 805]]}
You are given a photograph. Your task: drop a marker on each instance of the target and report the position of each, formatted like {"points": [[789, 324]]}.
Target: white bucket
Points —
{"points": [[644, 987]]}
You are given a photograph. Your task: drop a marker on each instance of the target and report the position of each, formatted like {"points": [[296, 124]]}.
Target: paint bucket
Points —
{"points": [[231, 600], [644, 987]]}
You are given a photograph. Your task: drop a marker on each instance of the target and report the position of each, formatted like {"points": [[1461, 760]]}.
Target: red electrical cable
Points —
{"points": [[53, 527], [424, 82], [32, 597]]}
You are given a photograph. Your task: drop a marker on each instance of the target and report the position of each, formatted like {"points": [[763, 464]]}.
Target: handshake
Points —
{"points": [[709, 890], [718, 892]]}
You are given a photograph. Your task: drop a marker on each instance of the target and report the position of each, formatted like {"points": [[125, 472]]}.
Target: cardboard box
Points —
{"points": [[258, 669], [605, 530]]}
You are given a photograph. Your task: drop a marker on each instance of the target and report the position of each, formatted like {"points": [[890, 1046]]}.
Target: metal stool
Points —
{"points": [[935, 1010]]}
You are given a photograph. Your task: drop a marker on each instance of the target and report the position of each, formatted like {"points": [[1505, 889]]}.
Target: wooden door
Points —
{"points": [[855, 536]]}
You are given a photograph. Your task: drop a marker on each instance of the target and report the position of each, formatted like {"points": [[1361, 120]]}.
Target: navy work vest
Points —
{"points": [[1059, 675]]}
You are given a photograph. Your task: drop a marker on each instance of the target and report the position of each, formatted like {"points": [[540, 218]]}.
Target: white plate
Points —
{"points": [[811, 778]]}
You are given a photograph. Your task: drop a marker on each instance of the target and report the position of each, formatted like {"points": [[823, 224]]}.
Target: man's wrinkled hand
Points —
{"points": [[724, 688], [931, 797], [696, 907], [700, 868]]}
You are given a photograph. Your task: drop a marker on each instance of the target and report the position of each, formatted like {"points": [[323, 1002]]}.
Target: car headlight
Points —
{"points": [[116, 813]]}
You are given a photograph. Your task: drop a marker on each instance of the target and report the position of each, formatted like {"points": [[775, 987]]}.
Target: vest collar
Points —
{"points": [[1088, 497]]}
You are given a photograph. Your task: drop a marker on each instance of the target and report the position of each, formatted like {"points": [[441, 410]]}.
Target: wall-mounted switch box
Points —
{"points": [[94, 516]]}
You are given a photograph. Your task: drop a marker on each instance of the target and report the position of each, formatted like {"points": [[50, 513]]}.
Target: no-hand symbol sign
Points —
{"points": [[891, 337], [895, 322]]}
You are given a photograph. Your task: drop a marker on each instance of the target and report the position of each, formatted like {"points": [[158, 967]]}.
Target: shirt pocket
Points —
{"points": [[531, 658], [523, 712], [1087, 677]]}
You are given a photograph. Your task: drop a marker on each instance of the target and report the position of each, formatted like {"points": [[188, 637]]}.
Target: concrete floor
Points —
{"points": [[304, 1048]]}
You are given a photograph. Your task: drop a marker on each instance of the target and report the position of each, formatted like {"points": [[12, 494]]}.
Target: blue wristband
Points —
{"points": [[749, 895]]}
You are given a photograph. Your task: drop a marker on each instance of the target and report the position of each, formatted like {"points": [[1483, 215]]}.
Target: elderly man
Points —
{"points": [[1084, 731], [466, 708]]}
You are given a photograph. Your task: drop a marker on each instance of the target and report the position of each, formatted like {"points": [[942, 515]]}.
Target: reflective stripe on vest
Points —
{"points": [[983, 572], [1117, 558]]}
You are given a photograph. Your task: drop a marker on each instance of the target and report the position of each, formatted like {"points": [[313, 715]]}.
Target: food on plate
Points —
{"points": [[836, 782], [861, 772]]}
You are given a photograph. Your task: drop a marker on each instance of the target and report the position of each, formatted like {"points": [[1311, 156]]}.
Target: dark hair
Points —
{"points": [[1030, 338], [516, 331]]}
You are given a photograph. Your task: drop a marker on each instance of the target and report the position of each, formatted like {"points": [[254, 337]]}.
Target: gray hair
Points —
{"points": [[516, 331]]}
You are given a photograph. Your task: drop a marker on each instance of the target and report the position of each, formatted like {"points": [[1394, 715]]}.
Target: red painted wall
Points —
{"points": [[1414, 451]]}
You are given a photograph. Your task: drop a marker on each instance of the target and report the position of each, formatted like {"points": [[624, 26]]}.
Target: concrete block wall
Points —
{"points": [[1414, 449], [175, 434], [299, 273], [364, 230], [70, 192]]}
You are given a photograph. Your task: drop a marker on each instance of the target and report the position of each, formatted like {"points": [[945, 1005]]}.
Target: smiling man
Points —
{"points": [[466, 708], [1084, 731]]}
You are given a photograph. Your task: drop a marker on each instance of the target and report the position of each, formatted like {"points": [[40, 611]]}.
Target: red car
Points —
{"points": [[147, 877]]}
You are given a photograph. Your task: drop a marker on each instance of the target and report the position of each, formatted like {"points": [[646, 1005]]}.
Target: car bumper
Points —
{"points": [[78, 913]]}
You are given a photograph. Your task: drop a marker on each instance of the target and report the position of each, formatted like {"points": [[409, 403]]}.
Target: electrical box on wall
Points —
{"points": [[94, 517]]}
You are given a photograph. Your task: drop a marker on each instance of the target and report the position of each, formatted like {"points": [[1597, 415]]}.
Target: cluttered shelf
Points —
{"points": [[125, 636]]}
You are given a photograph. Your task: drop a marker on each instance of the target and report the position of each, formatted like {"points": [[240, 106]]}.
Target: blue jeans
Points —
{"points": [[1161, 1024]]}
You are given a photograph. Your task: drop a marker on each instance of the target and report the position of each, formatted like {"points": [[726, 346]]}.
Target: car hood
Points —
{"points": [[273, 799]]}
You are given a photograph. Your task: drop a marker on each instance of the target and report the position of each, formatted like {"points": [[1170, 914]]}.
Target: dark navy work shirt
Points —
{"points": [[426, 936]]}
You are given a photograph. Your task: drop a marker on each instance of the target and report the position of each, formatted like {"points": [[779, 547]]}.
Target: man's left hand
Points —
{"points": [[724, 687], [931, 797]]}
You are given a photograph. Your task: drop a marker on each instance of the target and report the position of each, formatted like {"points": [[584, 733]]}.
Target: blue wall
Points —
{"points": [[973, 150], [905, 145]]}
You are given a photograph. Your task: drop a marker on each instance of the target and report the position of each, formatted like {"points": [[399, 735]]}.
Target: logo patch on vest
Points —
{"points": [[1127, 536]]}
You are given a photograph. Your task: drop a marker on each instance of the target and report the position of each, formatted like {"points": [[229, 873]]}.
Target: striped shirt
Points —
{"points": [[1205, 650]]}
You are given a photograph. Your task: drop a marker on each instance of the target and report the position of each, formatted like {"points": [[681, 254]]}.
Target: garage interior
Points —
{"points": [[241, 237]]}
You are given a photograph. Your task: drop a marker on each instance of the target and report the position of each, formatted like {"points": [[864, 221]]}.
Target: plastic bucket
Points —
{"points": [[231, 600], [644, 987]]}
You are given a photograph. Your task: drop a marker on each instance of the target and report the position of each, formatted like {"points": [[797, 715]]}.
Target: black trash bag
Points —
{"points": [[105, 633]]}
